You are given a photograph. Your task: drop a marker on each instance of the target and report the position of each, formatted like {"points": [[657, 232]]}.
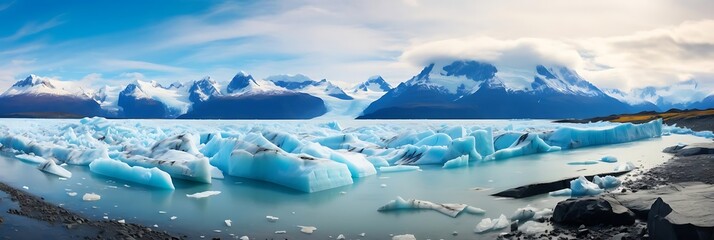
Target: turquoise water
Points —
{"points": [[333, 212]]}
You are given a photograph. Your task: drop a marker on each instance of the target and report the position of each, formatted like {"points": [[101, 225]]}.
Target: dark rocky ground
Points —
{"points": [[26, 216], [679, 169]]}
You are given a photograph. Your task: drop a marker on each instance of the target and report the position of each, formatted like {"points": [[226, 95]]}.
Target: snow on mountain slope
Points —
{"points": [[108, 98], [174, 100], [202, 90], [563, 80], [36, 85], [302, 83], [243, 83], [373, 84], [681, 95]]}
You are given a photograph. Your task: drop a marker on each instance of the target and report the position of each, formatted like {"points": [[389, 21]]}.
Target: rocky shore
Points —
{"points": [[670, 201], [26, 216]]}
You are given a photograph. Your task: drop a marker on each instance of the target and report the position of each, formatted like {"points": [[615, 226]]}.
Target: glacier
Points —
{"points": [[304, 156]]}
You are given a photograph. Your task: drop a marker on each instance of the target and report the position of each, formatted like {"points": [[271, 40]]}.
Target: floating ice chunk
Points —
{"points": [[404, 237], [544, 213], [449, 209], [571, 137], [91, 197], [474, 210], [501, 223], [49, 166], [583, 163], [524, 214], [362, 234], [528, 143], [609, 159], [458, 162], [533, 228], [582, 187], [72, 194], [271, 218], [162, 212], [484, 225], [561, 193], [204, 194], [607, 182], [31, 158], [173, 217], [228, 222], [148, 176], [281, 232], [398, 168], [629, 166], [307, 229], [122, 221], [244, 238], [383, 185], [340, 237]]}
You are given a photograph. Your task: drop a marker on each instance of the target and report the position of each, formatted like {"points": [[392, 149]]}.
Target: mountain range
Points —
{"points": [[462, 89]]}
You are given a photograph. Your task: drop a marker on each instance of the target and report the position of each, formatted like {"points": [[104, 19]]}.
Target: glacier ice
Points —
{"points": [[307, 156], [50, 166], [628, 166], [582, 187], [607, 182], [561, 193], [458, 162], [203, 194], [147, 176], [572, 137], [488, 224], [609, 159], [526, 144], [449, 209], [404, 237], [398, 168], [91, 197]]}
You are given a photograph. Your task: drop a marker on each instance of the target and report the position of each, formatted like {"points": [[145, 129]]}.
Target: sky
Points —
{"points": [[612, 43]]}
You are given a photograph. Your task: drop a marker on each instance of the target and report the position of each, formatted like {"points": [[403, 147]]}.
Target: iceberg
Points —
{"points": [[49, 166], [488, 224], [607, 182], [177, 156], [629, 166], [571, 137], [257, 158], [404, 237], [582, 187], [147, 176], [31, 158]]}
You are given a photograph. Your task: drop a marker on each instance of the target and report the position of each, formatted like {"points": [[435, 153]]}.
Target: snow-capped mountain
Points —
{"points": [[142, 99], [37, 96], [248, 98], [373, 84], [203, 89], [472, 89], [302, 83], [680, 95]]}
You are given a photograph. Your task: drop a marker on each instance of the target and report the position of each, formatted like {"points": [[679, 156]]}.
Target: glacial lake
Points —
{"points": [[349, 210]]}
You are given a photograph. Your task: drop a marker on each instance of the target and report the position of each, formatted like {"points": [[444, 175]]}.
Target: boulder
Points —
{"points": [[592, 211], [690, 150], [665, 223]]}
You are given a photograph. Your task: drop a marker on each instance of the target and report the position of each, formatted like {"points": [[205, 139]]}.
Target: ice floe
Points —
{"points": [[449, 209], [203, 194]]}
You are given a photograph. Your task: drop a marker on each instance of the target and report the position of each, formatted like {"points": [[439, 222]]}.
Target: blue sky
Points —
{"points": [[621, 44]]}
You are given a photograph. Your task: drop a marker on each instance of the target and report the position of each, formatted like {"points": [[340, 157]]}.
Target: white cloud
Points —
{"points": [[121, 64], [33, 28]]}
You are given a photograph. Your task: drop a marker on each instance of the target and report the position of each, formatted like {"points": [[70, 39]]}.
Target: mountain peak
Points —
{"points": [[240, 81], [34, 80], [203, 89], [374, 84]]}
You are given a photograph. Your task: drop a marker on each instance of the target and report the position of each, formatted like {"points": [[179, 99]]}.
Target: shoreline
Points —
{"points": [[678, 170], [61, 223]]}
